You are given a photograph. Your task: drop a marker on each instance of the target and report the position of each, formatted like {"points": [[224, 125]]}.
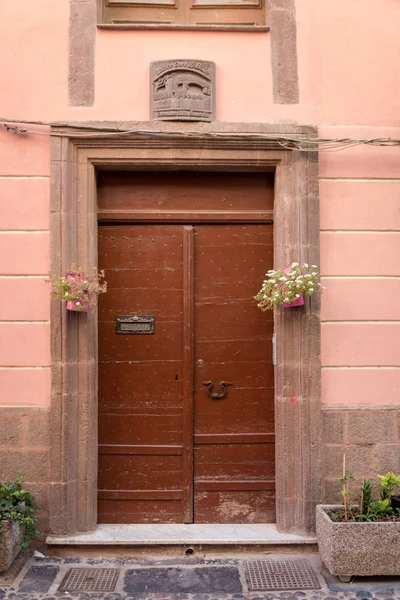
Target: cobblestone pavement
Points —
{"points": [[183, 579]]}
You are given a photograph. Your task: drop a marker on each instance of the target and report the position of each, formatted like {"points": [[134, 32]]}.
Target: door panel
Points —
{"points": [[140, 376], [185, 191], [157, 423], [233, 344]]}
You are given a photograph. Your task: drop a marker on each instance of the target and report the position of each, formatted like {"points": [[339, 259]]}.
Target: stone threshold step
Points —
{"points": [[170, 534]]}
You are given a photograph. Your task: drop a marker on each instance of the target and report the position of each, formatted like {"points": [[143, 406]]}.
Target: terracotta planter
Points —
{"points": [[357, 548], [10, 537], [298, 302]]}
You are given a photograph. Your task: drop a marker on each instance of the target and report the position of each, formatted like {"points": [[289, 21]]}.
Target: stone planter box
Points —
{"points": [[10, 537], [363, 549]]}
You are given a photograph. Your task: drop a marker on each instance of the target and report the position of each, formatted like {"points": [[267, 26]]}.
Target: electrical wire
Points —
{"points": [[290, 142]]}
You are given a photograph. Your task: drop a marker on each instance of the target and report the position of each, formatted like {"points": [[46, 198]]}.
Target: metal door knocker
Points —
{"points": [[216, 395]]}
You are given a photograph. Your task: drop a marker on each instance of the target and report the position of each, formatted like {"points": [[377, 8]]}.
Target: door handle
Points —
{"points": [[219, 394]]}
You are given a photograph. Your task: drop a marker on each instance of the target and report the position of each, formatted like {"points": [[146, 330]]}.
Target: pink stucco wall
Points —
{"points": [[349, 76]]}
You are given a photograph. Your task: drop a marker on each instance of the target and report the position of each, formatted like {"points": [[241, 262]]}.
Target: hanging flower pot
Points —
{"points": [[78, 306], [297, 302], [78, 287], [79, 291], [288, 287]]}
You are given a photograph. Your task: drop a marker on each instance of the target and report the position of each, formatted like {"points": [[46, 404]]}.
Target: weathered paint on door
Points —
{"points": [[168, 451]]}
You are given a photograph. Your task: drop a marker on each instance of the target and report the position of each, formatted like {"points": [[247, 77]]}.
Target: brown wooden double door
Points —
{"points": [[171, 450]]}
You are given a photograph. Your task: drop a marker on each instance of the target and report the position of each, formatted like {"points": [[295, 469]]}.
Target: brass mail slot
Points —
{"points": [[135, 324]]}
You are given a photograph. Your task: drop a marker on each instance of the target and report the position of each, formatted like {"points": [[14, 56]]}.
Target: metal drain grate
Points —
{"points": [[280, 575], [89, 580]]}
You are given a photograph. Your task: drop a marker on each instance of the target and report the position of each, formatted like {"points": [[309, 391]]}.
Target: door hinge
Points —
{"points": [[274, 350]]}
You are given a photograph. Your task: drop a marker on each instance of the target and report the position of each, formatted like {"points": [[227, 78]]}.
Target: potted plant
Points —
{"points": [[17, 523], [289, 286], [79, 291], [361, 539]]}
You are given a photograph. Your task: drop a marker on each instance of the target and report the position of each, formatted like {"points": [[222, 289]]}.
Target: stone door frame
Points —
{"points": [[76, 153]]}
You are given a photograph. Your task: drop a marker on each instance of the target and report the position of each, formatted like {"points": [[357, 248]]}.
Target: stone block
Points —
{"points": [[333, 427], [386, 457], [40, 492], [33, 464], [284, 56], [357, 460], [10, 431], [371, 426], [37, 433]]}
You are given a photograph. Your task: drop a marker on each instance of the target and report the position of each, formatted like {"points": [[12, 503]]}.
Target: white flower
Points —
{"points": [[314, 266], [287, 300], [77, 303], [311, 289], [282, 278], [66, 293], [297, 295], [307, 275], [305, 265], [295, 264], [72, 278]]}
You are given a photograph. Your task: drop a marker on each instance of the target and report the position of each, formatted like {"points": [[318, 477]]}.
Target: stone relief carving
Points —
{"points": [[182, 90]]}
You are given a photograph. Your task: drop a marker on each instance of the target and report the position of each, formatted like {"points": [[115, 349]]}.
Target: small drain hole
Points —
{"points": [[189, 552]]}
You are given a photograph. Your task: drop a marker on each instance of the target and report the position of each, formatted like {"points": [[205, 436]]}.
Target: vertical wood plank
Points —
{"points": [[188, 294]]}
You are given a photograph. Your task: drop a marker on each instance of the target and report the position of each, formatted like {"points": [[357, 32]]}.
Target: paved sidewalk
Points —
{"points": [[181, 579]]}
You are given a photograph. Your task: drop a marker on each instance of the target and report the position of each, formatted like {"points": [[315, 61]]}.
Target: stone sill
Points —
{"points": [[168, 534], [176, 27]]}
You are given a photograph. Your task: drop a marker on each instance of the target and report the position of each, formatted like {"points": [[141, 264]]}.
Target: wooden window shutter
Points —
{"points": [[184, 12]]}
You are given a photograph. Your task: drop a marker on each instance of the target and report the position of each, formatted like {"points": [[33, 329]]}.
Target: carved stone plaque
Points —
{"points": [[182, 90]]}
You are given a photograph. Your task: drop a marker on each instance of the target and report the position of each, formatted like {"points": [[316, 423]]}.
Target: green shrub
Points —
{"points": [[18, 505]]}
